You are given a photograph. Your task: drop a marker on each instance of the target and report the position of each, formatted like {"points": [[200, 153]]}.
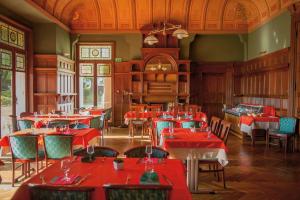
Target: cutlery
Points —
{"points": [[42, 179], [128, 179], [167, 179], [82, 179]]}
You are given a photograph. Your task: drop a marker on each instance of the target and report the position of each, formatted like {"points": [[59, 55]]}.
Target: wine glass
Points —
{"points": [[90, 150], [148, 151], [65, 166], [171, 129], [208, 129]]}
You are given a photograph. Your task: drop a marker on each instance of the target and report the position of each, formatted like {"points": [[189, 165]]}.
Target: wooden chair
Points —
{"points": [[138, 107], [57, 146], [223, 131], [192, 108], [160, 125], [24, 150], [156, 107], [285, 133], [107, 120], [136, 123], [139, 152], [137, 192], [48, 192], [214, 124], [99, 152]]}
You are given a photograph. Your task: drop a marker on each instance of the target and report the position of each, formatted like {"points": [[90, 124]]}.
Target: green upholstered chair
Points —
{"points": [[139, 152], [24, 150], [25, 124], [166, 116], [137, 192], [107, 119], [78, 126], [57, 146], [285, 133], [95, 123], [160, 125], [188, 124], [98, 152], [59, 123], [48, 192]]}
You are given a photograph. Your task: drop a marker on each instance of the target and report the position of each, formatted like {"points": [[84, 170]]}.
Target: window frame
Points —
{"points": [[95, 72]]}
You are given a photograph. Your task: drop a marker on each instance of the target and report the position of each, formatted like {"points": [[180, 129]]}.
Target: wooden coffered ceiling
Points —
{"points": [[199, 16]]}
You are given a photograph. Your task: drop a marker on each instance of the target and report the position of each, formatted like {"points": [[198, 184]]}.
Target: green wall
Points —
{"points": [[50, 39], [216, 48], [128, 46], [272, 36]]}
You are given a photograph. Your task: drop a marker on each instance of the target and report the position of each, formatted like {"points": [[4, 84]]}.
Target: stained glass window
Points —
{"points": [[95, 52], [20, 62], [103, 69], [6, 59], [11, 36], [86, 69]]}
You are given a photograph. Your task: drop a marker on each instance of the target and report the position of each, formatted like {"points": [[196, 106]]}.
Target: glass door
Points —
{"points": [[20, 93]]}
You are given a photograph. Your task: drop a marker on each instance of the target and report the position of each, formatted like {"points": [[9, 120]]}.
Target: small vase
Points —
{"points": [[118, 165]]}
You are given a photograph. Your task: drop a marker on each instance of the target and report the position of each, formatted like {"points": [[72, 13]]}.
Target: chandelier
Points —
{"points": [[163, 28]]}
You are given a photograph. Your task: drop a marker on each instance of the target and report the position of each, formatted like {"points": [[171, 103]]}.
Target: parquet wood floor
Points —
{"points": [[253, 173]]}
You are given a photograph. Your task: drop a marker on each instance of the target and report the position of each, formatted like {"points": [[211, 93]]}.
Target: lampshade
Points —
{"points": [[151, 39], [180, 33]]}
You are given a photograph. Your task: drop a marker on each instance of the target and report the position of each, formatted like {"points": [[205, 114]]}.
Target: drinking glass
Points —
{"points": [[208, 129], [171, 129], [90, 150], [148, 151], [65, 166]]}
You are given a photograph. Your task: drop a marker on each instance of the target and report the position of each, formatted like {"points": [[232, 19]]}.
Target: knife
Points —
{"points": [[82, 179], [167, 179]]}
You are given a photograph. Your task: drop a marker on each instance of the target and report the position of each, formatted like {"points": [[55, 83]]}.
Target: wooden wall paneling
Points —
{"points": [[265, 80]]}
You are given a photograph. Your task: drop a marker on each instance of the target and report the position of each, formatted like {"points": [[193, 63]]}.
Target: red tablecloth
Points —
{"points": [[103, 173], [132, 114], [72, 118], [248, 120], [81, 137], [184, 138]]}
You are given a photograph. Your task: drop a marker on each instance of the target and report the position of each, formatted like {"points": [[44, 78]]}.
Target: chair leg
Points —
{"points": [[13, 174], [285, 145], [224, 180]]}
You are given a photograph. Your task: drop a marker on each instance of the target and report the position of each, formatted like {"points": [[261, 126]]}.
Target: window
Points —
{"points": [[95, 75], [97, 52], [20, 62], [12, 36], [6, 59]]}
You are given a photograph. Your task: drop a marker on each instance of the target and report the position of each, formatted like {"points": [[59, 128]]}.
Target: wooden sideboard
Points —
{"points": [[53, 83]]}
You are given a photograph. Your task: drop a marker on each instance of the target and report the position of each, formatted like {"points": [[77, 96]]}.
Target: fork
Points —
{"points": [[128, 179]]}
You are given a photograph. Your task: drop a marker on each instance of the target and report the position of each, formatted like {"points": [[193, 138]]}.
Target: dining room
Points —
{"points": [[149, 99]]}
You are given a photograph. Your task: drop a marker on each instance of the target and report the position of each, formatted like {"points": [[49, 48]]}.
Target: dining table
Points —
{"points": [[200, 141], [82, 137], [43, 119], [132, 115], [101, 171]]}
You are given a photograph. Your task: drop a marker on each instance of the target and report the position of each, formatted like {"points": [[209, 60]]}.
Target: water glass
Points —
{"points": [[148, 151], [90, 150], [65, 166]]}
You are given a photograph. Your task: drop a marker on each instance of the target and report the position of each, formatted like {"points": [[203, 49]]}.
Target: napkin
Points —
{"points": [[149, 178], [59, 180]]}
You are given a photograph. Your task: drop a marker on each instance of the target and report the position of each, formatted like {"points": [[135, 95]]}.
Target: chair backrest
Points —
{"points": [[25, 114], [160, 125], [57, 146], [166, 116], [95, 122], [156, 108], [188, 124], [287, 125], [214, 124], [23, 146], [223, 130], [98, 152], [48, 192], [137, 192], [107, 115], [24, 124], [139, 152], [59, 123], [78, 126], [138, 107]]}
